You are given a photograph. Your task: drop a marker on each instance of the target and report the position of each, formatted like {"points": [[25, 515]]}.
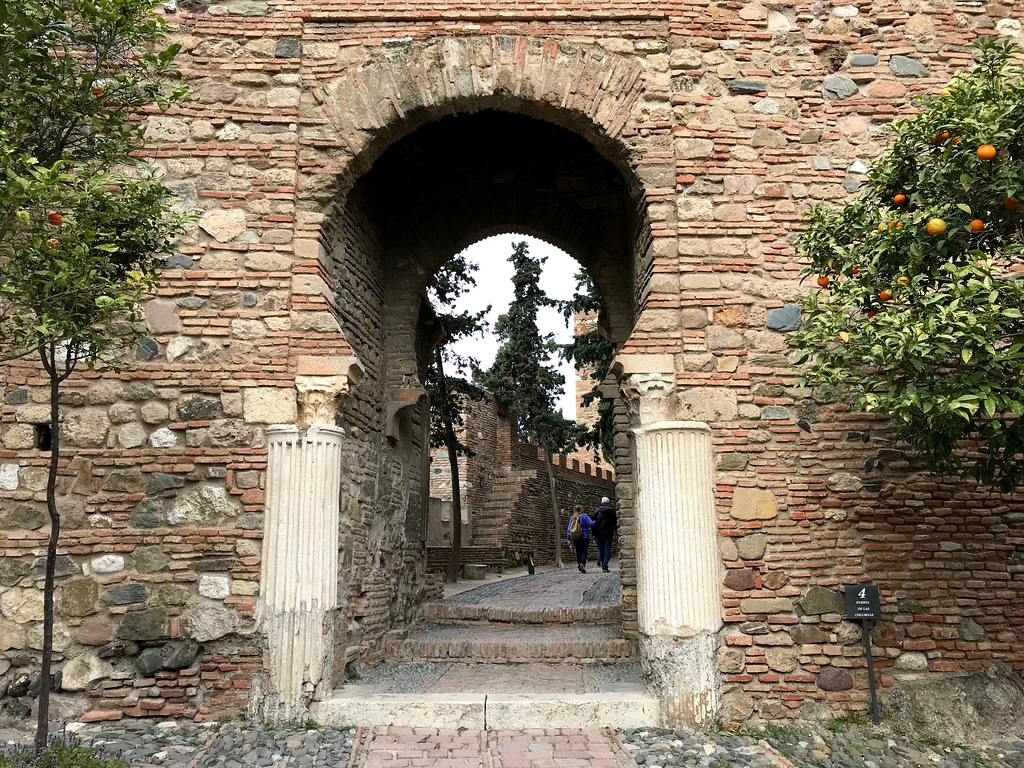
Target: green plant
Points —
{"points": [[352, 675], [83, 227], [920, 313], [63, 750], [849, 720]]}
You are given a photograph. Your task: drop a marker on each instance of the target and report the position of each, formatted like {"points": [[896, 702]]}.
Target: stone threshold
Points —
{"points": [[584, 614], [488, 711]]}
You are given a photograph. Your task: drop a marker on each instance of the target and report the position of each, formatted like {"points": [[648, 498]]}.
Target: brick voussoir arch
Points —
{"points": [[409, 83]]}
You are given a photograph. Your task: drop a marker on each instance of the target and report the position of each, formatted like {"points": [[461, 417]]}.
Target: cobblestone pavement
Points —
{"points": [[556, 589], [147, 744], [811, 746], [234, 745]]}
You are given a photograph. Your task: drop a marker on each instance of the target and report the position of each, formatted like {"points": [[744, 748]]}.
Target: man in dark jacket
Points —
{"points": [[605, 524]]}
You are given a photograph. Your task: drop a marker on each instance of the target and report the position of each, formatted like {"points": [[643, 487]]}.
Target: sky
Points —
{"points": [[494, 287]]}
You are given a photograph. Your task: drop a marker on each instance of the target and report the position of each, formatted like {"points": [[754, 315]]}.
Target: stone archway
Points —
{"points": [[398, 176]]}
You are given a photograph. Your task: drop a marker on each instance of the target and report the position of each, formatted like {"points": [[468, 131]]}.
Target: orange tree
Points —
{"points": [[917, 313]]}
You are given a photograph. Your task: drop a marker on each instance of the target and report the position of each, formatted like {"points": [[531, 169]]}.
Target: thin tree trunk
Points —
{"points": [[43, 714], [453, 462], [554, 508]]}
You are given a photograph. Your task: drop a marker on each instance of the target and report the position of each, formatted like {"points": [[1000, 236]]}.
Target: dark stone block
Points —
{"points": [[150, 624], [147, 349], [288, 48], [904, 66], [160, 482], [179, 654], [149, 661], [179, 261], [149, 514], [125, 594], [17, 397], [787, 318], [863, 60], [208, 564], [198, 408], [749, 87]]}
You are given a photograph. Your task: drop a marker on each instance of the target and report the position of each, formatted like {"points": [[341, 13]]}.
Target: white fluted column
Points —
{"points": [[299, 578], [678, 568]]}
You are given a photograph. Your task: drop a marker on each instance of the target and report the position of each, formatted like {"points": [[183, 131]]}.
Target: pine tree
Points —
{"points": [[450, 390], [593, 353], [523, 378]]}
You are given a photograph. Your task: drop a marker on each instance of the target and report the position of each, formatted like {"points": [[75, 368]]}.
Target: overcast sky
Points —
{"points": [[494, 287]]}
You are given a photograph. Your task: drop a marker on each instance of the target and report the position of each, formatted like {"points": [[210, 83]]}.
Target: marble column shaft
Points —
{"points": [[299, 583]]}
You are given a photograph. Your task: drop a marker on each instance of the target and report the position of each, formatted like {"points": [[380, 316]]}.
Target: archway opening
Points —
{"points": [[429, 195]]}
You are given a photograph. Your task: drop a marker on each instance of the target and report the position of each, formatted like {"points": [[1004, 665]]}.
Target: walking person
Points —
{"points": [[578, 535], [606, 523]]}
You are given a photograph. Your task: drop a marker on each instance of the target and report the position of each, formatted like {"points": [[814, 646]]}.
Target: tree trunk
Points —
{"points": [[453, 462], [554, 508], [43, 714]]}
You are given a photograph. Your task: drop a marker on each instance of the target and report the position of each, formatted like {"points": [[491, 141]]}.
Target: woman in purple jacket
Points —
{"points": [[582, 543]]}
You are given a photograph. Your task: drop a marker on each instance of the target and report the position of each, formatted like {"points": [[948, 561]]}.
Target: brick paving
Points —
{"points": [[421, 748]]}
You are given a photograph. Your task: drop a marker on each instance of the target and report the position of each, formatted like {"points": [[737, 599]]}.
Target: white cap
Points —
{"points": [[605, 500]]}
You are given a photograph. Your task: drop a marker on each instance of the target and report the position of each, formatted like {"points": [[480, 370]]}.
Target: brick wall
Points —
{"points": [[671, 147]]}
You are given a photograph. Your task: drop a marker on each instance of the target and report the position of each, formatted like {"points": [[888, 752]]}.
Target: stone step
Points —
{"points": [[449, 613], [482, 711], [511, 644]]}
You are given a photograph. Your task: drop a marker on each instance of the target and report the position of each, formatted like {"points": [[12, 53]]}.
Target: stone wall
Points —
{"points": [[338, 154]]}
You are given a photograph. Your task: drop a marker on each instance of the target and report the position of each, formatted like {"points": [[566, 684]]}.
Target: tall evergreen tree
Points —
{"points": [[449, 389], [524, 379], [592, 353]]}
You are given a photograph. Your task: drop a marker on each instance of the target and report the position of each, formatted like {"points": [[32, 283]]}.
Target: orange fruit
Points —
{"points": [[823, 281], [871, 314], [936, 226], [986, 152], [944, 136], [54, 218], [892, 224], [885, 295], [935, 138], [900, 199], [53, 242], [899, 224], [944, 93], [903, 280], [881, 227], [97, 91], [1012, 203], [956, 141], [854, 270], [977, 225]]}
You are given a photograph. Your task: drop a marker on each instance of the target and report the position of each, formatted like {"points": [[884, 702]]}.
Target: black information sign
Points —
{"points": [[862, 602]]}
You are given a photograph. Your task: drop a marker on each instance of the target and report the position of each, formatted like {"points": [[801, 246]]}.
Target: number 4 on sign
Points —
{"points": [[862, 594]]}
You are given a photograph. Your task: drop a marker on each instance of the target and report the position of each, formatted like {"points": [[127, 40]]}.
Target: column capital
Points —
{"points": [[321, 382], [650, 397]]}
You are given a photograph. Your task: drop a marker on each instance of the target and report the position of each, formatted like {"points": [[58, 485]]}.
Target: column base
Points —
{"points": [[683, 673], [301, 647]]}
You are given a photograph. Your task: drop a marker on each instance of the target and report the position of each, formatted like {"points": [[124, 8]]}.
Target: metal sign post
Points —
{"points": [[862, 602]]}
